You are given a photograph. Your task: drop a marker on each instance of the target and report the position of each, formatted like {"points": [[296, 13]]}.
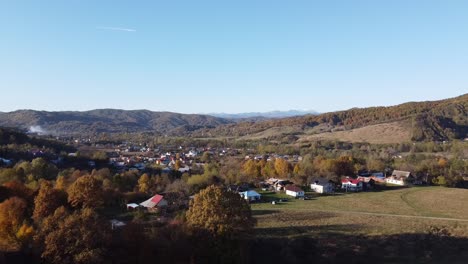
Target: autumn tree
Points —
{"points": [[375, 164], [268, 170], [144, 183], [282, 167], [81, 237], [85, 192], [18, 189], [14, 229], [48, 200], [178, 164], [220, 212], [251, 169], [61, 183]]}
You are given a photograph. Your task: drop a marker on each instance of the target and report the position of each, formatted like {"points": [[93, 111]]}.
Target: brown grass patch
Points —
{"points": [[395, 132]]}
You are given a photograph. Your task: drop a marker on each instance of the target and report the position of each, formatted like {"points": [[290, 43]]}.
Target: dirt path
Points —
{"points": [[378, 214]]}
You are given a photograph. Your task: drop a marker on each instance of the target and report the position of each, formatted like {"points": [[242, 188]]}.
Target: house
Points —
{"points": [[281, 185], [350, 184], [322, 185], [400, 178], [155, 202], [5, 161], [132, 206], [251, 195], [293, 190]]}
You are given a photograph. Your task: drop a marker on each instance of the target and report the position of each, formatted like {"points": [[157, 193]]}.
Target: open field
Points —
{"points": [[407, 210], [395, 132]]}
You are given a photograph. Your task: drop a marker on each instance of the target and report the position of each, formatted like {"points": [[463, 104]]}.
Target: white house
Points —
{"points": [[400, 178], [251, 195], [395, 181], [349, 184], [293, 190], [322, 186]]}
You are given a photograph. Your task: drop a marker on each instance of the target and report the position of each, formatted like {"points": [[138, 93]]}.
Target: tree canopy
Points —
{"points": [[220, 212]]}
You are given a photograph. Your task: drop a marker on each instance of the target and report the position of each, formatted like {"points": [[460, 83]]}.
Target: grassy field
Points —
{"points": [[400, 211], [395, 132]]}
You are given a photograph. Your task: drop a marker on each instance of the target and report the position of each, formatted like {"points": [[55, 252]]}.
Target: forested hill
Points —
{"points": [[418, 121], [108, 121], [431, 120]]}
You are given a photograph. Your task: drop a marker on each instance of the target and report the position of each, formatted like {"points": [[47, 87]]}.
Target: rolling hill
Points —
{"points": [[416, 121], [108, 121]]}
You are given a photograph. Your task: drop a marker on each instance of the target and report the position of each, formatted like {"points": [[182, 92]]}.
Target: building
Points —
{"points": [[251, 195], [349, 184], [322, 185], [293, 190], [400, 178], [154, 203]]}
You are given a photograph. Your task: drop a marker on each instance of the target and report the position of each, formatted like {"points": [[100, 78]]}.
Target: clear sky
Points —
{"points": [[200, 56]]}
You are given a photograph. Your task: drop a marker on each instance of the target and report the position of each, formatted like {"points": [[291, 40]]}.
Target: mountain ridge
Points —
{"points": [[428, 120], [265, 115]]}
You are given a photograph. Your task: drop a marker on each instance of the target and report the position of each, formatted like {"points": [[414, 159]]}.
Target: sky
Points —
{"points": [[230, 56]]}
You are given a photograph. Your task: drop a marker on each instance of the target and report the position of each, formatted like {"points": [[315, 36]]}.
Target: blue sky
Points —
{"points": [[230, 56]]}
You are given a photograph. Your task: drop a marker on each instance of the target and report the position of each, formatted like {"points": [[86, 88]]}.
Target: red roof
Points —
{"points": [[156, 199], [353, 181]]}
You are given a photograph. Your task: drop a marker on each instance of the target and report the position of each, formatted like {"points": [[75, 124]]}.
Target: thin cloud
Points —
{"points": [[117, 29]]}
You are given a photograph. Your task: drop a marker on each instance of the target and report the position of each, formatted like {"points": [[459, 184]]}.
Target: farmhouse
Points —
{"points": [[293, 190], [322, 185], [251, 195], [154, 202], [350, 184], [400, 178]]}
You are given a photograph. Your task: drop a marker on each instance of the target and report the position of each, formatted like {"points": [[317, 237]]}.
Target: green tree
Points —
{"points": [[41, 169], [220, 212]]}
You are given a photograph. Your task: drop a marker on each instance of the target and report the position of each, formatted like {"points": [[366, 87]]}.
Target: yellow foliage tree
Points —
{"points": [[220, 212], [14, 230], [282, 167], [144, 183], [86, 192], [48, 200]]}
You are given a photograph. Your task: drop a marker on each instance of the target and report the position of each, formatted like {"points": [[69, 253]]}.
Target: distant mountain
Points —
{"points": [[418, 121], [108, 121], [264, 115]]}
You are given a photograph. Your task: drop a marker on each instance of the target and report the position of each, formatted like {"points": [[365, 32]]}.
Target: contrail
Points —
{"points": [[117, 29]]}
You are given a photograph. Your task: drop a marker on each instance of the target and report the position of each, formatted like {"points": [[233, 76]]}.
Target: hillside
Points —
{"points": [[108, 121], [417, 121], [431, 120]]}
